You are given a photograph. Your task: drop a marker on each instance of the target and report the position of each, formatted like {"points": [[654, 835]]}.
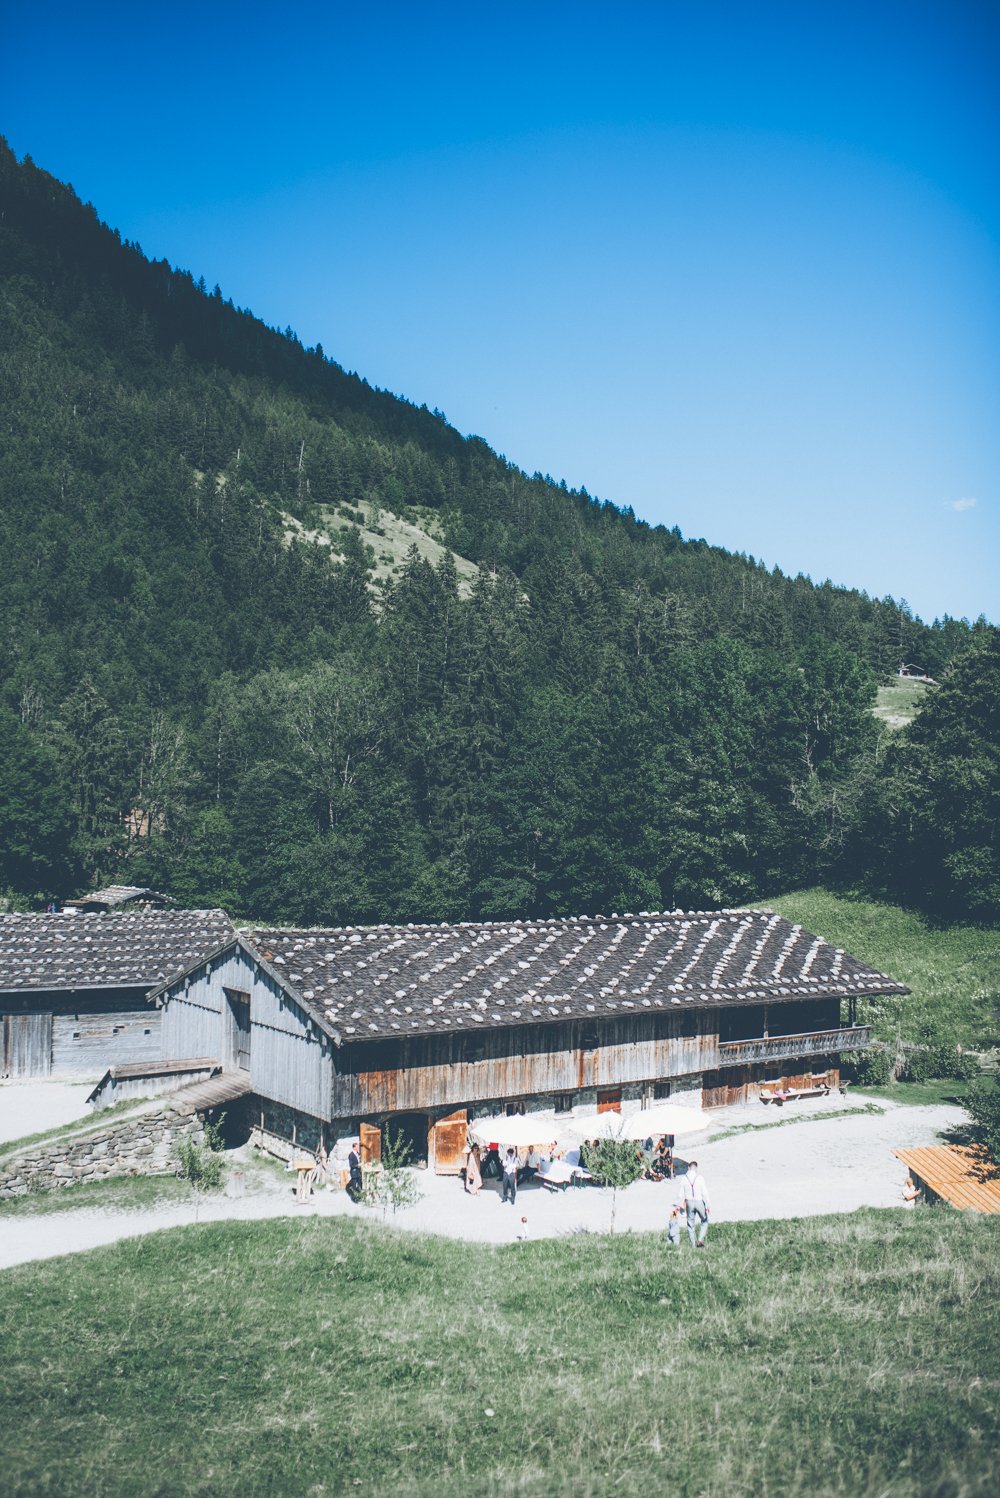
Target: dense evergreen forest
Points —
{"points": [[196, 695]]}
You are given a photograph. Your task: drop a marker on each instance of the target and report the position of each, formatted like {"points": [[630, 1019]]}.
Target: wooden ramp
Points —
{"points": [[224, 1088], [962, 1175]]}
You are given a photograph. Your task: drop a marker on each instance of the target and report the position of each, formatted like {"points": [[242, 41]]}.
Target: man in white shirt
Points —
{"points": [[696, 1202], [530, 1167], [510, 1164]]}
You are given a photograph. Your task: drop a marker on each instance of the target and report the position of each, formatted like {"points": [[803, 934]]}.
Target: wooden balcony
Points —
{"points": [[785, 1047]]}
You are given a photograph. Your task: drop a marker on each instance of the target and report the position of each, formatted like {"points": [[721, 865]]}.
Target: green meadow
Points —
{"points": [[953, 970], [852, 1355]]}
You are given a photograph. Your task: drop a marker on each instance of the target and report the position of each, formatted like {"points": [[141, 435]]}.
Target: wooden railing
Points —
{"points": [[784, 1047]]}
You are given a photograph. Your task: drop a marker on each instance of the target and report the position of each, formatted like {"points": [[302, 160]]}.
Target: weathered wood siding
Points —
{"points": [[87, 1044], [289, 1058], [76, 1033], [434, 1071], [742, 1084], [26, 1045]]}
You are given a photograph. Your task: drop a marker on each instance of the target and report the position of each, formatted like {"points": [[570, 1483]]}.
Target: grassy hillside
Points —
{"points": [[277, 641], [899, 702], [953, 970], [840, 1356]]}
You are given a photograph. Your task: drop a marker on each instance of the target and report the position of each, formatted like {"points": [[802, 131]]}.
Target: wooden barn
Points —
{"points": [[422, 1027], [73, 987]]}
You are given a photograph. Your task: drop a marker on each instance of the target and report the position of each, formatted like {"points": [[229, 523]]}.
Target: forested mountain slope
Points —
{"points": [[199, 692]]}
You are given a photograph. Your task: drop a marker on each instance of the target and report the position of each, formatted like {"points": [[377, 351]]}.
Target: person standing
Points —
{"points": [[697, 1204], [473, 1174], [355, 1183], [510, 1163]]}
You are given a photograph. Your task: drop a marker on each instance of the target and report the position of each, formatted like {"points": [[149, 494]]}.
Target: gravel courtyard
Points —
{"points": [[809, 1165], [32, 1107]]}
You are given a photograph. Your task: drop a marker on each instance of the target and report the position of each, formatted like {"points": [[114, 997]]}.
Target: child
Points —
{"points": [[522, 1230]]}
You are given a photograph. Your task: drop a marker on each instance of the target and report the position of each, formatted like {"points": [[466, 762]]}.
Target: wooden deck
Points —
{"points": [[961, 1175]]}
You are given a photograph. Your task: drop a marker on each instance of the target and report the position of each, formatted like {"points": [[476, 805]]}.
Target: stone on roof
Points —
{"points": [[119, 950], [364, 983]]}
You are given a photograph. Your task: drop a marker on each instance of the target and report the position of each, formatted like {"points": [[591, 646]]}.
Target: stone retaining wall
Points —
{"points": [[144, 1144]]}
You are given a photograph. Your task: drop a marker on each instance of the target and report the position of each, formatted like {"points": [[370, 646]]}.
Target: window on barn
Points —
{"points": [[661, 1090], [564, 1102]]}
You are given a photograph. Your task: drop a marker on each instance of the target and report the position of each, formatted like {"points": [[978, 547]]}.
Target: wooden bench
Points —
{"points": [[791, 1094]]}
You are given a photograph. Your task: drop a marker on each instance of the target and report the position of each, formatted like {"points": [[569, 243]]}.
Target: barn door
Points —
{"points": [[371, 1143], [27, 1045], [239, 1040], [450, 1135]]}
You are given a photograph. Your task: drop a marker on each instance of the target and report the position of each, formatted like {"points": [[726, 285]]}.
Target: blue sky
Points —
{"points": [[735, 265]]}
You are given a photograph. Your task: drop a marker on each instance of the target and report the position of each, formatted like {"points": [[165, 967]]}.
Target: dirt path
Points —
{"points": [[809, 1166]]}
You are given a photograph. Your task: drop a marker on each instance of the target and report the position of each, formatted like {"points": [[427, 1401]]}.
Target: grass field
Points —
{"points": [[954, 971], [899, 702], [854, 1355], [121, 1194]]}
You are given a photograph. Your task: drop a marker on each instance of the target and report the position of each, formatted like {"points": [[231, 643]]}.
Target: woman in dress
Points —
{"points": [[473, 1174]]}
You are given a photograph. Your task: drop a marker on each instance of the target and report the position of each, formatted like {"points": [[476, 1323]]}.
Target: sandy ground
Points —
{"points": [[32, 1107], [810, 1166]]}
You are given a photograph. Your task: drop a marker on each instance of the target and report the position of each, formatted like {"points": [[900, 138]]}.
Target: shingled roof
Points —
{"points": [[114, 895], [139, 950], [364, 983]]}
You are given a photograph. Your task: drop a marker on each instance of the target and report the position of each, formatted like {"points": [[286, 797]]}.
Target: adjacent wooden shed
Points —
{"points": [[73, 987], [421, 1026], [964, 1176]]}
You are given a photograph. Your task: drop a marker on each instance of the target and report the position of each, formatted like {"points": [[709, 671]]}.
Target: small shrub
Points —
{"points": [[873, 1068], [203, 1167], [940, 1061], [394, 1185], [983, 1103], [616, 1163]]}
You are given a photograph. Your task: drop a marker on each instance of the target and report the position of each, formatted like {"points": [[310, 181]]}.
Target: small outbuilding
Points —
{"points": [[964, 1176], [73, 987], [120, 897]]}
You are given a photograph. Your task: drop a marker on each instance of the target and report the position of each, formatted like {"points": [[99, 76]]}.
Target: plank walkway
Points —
{"points": [[215, 1090]]}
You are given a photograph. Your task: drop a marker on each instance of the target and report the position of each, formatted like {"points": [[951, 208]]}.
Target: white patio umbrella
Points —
{"points": [[608, 1125], [664, 1118], [519, 1129]]}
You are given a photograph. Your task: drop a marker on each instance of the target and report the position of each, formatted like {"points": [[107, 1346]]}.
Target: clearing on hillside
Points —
{"points": [[899, 701], [389, 536]]}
